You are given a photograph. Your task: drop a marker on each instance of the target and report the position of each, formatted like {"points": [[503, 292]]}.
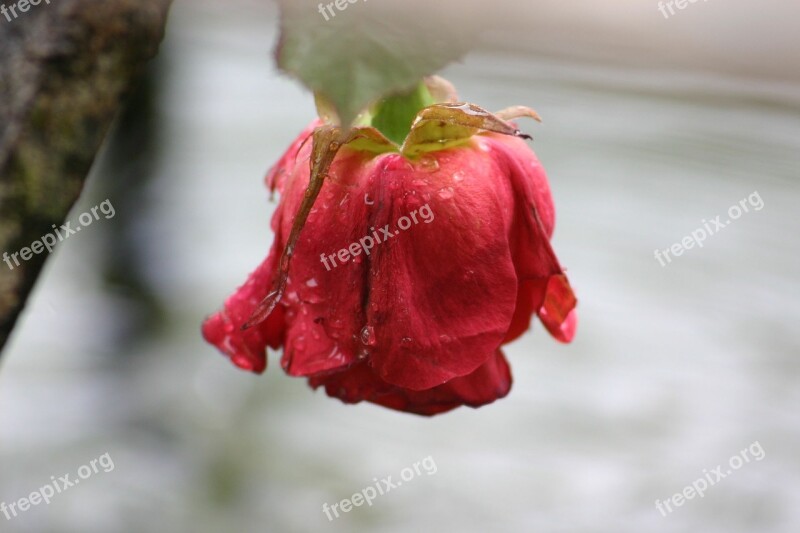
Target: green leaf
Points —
{"points": [[371, 49]]}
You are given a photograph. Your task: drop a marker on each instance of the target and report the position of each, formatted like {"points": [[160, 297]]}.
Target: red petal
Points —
{"points": [[442, 294], [541, 278], [324, 301], [487, 383], [558, 311], [246, 349]]}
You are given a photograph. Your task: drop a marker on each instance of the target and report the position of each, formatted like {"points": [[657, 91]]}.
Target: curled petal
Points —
{"points": [[558, 310], [442, 293], [489, 382], [543, 286], [518, 111], [247, 349]]}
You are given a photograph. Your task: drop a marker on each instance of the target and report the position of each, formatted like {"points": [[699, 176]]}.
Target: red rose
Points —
{"points": [[414, 265]]}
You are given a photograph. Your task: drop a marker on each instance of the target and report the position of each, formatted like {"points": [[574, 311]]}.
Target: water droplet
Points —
{"points": [[368, 200], [444, 339], [418, 183], [458, 176], [243, 362], [406, 342], [447, 193], [429, 163], [300, 343], [312, 283], [368, 336], [336, 354]]}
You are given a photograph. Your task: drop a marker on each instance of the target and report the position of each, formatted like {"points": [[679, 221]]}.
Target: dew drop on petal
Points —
{"points": [[336, 355], [368, 336], [428, 163], [300, 343], [406, 342], [447, 193], [243, 362]]}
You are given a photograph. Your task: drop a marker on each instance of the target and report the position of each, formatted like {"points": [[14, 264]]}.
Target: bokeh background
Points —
{"points": [[651, 125]]}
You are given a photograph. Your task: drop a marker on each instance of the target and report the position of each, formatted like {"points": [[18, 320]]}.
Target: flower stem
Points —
{"points": [[394, 114]]}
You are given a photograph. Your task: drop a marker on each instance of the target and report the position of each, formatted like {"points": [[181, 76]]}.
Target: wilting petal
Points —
{"points": [[442, 292], [487, 383], [247, 349], [538, 269], [558, 310], [325, 295]]}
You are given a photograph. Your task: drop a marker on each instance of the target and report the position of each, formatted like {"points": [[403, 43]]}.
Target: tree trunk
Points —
{"points": [[65, 68]]}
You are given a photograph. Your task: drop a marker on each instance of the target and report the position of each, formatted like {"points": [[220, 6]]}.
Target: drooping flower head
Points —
{"points": [[400, 267]]}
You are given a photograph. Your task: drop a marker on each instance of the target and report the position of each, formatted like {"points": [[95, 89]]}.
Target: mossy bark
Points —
{"points": [[65, 69]]}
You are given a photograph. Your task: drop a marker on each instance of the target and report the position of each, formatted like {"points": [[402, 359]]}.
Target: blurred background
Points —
{"points": [[651, 124]]}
